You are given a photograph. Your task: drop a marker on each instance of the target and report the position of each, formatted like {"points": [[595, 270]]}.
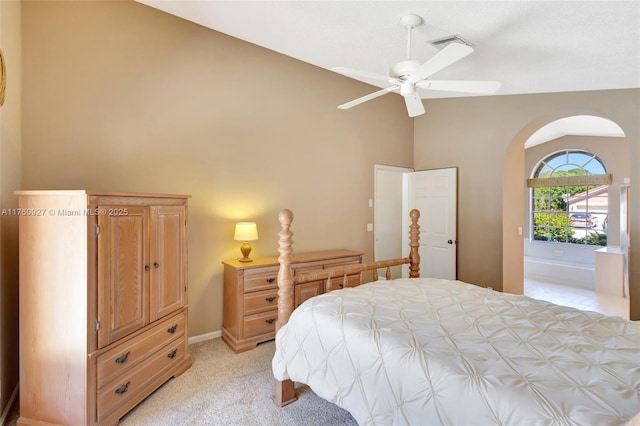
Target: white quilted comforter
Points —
{"points": [[430, 352]]}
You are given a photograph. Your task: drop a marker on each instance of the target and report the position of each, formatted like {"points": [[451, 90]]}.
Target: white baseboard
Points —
{"points": [[204, 337], [7, 410]]}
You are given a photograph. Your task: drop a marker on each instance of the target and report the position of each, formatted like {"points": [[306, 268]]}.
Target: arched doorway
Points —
{"points": [[559, 132]]}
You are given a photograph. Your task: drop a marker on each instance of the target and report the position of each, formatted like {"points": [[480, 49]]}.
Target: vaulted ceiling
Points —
{"points": [[530, 46]]}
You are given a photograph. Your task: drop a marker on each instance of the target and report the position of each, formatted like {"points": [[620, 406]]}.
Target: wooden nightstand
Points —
{"points": [[251, 293]]}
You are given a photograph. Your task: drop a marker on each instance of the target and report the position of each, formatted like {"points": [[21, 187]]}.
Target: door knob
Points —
{"points": [[450, 242]]}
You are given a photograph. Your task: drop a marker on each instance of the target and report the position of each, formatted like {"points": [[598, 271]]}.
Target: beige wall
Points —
{"points": [[10, 162], [484, 137], [120, 96]]}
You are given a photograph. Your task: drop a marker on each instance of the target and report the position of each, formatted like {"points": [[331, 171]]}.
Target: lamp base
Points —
{"points": [[245, 249]]}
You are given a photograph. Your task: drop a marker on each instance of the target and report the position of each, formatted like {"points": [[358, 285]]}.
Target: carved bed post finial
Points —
{"points": [[285, 275], [414, 244]]}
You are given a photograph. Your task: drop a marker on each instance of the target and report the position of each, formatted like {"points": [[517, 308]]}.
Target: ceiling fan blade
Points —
{"points": [[364, 74], [447, 56], [367, 97], [414, 104], [479, 87]]}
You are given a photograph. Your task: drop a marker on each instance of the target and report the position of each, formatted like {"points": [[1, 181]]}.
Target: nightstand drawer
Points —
{"points": [[354, 260], [341, 264], [260, 301], [306, 269], [128, 354], [261, 280], [262, 323]]}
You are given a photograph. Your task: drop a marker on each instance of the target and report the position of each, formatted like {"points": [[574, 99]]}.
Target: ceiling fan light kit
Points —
{"points": [[407, 76]]}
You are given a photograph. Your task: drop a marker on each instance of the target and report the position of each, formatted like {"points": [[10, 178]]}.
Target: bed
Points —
{"points": [[426, 351]]}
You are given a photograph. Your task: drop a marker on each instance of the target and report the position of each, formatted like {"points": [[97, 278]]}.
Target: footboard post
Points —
{"points": [[414, 244], [284, 393], [285, 275]]}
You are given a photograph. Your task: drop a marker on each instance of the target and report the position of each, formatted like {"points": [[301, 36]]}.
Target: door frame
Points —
{"points": [[403, 222], [381, 198]]}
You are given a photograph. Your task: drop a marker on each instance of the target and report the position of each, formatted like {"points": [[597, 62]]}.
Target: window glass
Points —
{"points": [[574, 214]]}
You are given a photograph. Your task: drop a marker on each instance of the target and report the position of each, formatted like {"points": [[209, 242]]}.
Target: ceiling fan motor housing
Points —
{"points": [[402, 70], [410, 21]]}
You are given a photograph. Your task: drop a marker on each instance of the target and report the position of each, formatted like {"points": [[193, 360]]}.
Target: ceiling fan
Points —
{"points": [[406, 77]]}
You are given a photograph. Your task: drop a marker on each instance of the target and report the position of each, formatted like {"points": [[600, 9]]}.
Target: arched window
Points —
{"points": [[569, 199]]}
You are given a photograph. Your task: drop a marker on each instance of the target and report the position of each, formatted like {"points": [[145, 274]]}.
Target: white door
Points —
{"points": [[434, 193]]}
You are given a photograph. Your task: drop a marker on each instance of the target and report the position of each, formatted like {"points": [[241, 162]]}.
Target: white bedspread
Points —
{"points": [[430, 352]]}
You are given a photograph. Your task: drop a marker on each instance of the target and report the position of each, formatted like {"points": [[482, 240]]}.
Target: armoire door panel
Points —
{"points": [[167, 256], [122, 275]]}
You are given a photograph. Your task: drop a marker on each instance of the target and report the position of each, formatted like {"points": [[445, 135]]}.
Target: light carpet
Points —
{"points": [[224, 388]]}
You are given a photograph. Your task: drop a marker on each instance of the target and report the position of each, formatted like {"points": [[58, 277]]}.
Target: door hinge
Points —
{"points": [[97, 230], [97, 325]]}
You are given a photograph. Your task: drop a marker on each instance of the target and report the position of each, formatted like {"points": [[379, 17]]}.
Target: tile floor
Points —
{"points": [[577, 298]]}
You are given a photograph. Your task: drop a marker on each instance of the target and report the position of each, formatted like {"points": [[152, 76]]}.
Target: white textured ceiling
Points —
{"points": [[530, 46]]}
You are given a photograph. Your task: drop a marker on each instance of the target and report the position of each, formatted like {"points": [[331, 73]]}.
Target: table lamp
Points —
{"points": [[245, 232]]}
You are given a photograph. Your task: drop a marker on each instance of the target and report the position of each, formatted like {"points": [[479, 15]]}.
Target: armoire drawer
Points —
{"points": [[126, 355], [126, 386]]}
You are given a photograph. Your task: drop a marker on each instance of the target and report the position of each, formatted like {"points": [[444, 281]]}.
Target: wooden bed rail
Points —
{"points": [[284, 392], [343, 271]]}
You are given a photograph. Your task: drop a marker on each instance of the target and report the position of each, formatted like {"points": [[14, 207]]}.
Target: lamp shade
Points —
{"points": [[246, 231]]}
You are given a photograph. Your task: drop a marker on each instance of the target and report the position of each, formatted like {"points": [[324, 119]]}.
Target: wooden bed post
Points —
{"points": [[414, 244], [284, 391], [285, 275]]}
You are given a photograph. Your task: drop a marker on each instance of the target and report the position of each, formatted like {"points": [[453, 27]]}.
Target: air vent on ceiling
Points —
{"points": [[441, 42]]}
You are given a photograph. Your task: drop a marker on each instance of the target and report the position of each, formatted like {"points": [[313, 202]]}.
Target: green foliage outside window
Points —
{"points": [[552, 227]]}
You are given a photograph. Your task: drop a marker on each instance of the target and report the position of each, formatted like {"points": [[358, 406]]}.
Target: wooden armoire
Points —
{"points": [[103, 302]]}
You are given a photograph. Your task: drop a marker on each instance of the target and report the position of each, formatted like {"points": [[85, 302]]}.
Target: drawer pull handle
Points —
{"points": [[270, 299], [270, 280], [156, 265], [173, 353], [123, 358], [173, 328], [122, 389], [270, 320], [147, 268]]}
